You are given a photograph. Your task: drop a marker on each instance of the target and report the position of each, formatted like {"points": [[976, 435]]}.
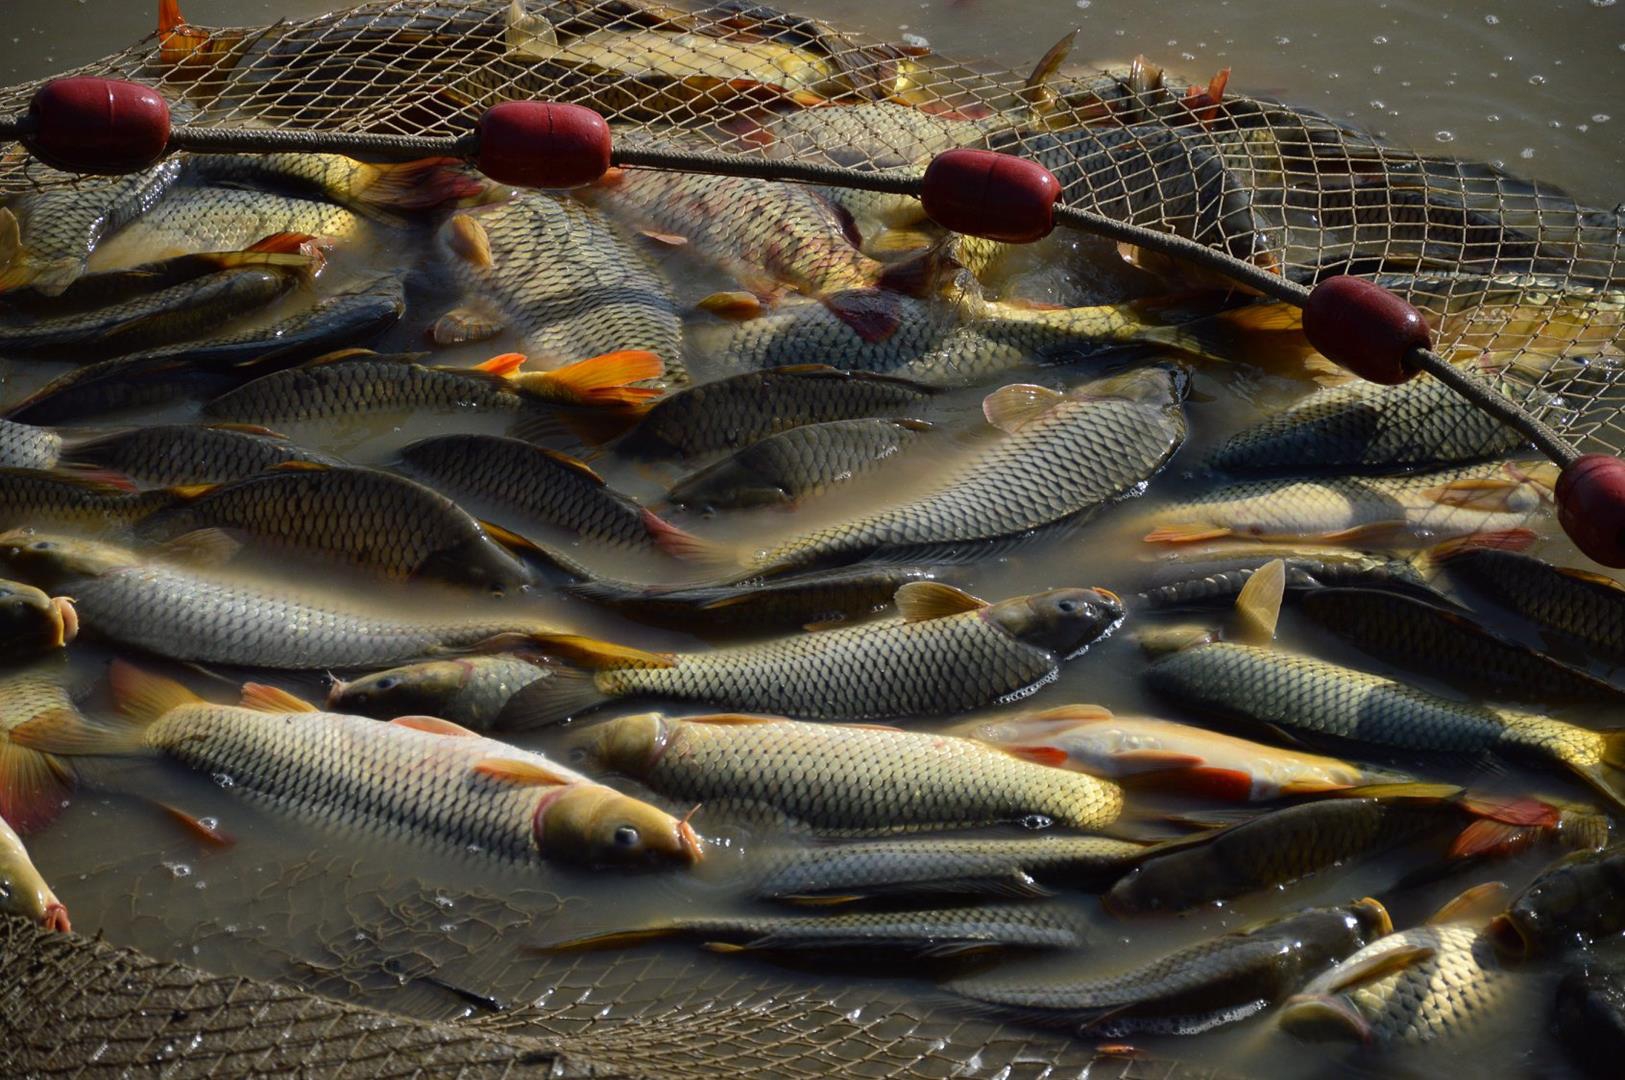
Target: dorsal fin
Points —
{"points": [[515, 771], [1473, 905], [248, 429], [1010, 407], [434, 725], [188, 492], [273, 699], [573, 463], [1072, 713], [732, 719], [299, 466], [922, 600], [1258, 605], [1590, 578], [338, 356]]}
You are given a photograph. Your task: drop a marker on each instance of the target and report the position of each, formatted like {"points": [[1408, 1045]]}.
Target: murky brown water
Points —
{"points": [[1525, 84]]}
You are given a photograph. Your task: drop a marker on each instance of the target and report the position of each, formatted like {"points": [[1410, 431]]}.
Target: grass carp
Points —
{"points": [[202, 219], [34, 785], [796, 464], [168, 454], [1581, 606], [41, 497], [467, 690], [1215, 580]]}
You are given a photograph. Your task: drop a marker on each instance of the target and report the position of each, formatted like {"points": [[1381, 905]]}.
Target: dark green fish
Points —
{"points": [[795, 464], [1193, 989], [931, 865], [1589, 1016], [1216, 582], [1584, 607], [741, 409], [32, 497], [950, 652], [821, 598], [166, 454], [24, 446], [1573, 903], [1446, 645], [467, 690]]}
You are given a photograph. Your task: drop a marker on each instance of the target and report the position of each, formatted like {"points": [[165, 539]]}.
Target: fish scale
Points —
{"points": [[223, 219], [24, 446], [30, 497], [191, 453], [841, 780], [1579, 604], [794, 464], [351, 387]]}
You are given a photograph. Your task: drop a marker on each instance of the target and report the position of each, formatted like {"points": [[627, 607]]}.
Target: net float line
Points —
{"points": [[103, 126]]}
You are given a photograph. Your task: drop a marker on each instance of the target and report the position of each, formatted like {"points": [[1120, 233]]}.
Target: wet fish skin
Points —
{"points": [[845, 780], [1589, 1016], [1062, 460], [25, 446], [1194, 988], [1582, 606], [32, 622], [939, 865], [37, 497], [781, 603], [978, 654], [199, 219], [1444, 644], [34, 785], [23, 890], [796, 464], [467, 690], [742, 409], [1204, 582], [375, 189], [167, 454], [1574, 902]]}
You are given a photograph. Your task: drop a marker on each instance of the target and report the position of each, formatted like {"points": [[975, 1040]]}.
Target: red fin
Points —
{"points": [[176, 40], [1040, 755], [665, 238], [736, 304], [504, 364], [873, 314], [273, 699], [282, 243], [1228, 785], [105, 479], [919, 274], [1525, 810], [1504, 540], [607, 379], [418, 185], [1486, 837], [1159, 759], [434, 726], [1184, 534], [682, 544], [203, 830], [33, 786]]}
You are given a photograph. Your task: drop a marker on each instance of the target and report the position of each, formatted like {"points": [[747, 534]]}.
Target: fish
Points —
{"points": [[843, 779], [1367, 427], [114, 287], [181, 311], [421, 777], [944, 934], [361, 186], [352, 383], [32, 622], [1055, 459], [1215, 579], [26, 446], [205, 368], [1583, 607], [1574, 903], [931, 866], [1192, 989], [468, 690], [552, 271], [34, 785], [1303, 694], [183, 613], [1411, 510], [90, 502], [170, 454], [1445, 644], [189, 220], [368, 519], [47, 237], [1588, 1017], [821, 599], [1440, 980], [23, 890], [948, 652], [742, 409], [871, 135], [527, 487], [796, 464], [1162, 753]]}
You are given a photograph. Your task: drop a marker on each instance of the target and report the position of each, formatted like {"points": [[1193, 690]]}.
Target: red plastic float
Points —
{"points": [[991, 195], [103, 126], [1364, 328], [1591, 506], [543, 144]]}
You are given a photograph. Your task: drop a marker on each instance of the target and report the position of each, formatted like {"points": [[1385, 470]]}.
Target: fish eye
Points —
{"points": [[1036, 821], [626, 836], [42, 545], [388, 682], [1067, 607]]}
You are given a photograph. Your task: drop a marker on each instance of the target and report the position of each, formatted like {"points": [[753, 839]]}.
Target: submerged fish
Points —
{"points": [[361, 186], [1216, 580], [1435, 981], [945, 865], [418, 776], [840, 779], [467, 690], [796, 464], [32, 622], [742, 409], [34, 786], [1584, 607], [190, 615], [23, 890], [820, 599], [366, 518], [24, 446], [1057, 459], [949, 652], [40, 497], [924, 934], [49, 237], [552, 271], [1446, 645], [1196, 988], [1572, 904], [115, 287], [201, 219], [166, 454], [1299, 693], [1178, 756], [1404, 510]]}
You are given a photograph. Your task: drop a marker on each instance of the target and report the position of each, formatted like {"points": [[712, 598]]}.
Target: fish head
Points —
{"points": [[1323, 1017], [23, 891], [48, 559], [1558, 907], [596, 825], [630, 743], [29, 618], [1060, 620], [415, 689], [479, 562], [1369, 920]]}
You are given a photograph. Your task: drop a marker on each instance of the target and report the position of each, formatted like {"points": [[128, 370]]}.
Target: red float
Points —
{"points": [[1365, 328], [991, 195], [1591, 506], [103, 126], [543, 144]]}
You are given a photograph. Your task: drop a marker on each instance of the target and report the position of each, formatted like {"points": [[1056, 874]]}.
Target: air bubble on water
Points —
{"points": [[1380, 39], [1083, 5], [1444, 136], [1187, 56], [1494, 118], [1537, 80], [225, 780], [916, 41], [1283, 40], [1554, 123], [1527, 152], [177, 869], [1602, 3], [444, 902], [1375, 104], [1599, 118]]}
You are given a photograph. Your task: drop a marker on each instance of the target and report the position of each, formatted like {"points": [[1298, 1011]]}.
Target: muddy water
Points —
{"points": [[445, 933]]}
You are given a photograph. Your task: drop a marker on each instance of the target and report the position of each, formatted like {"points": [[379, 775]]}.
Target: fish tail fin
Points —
{"points": [[1228, 338], [33, 783], [603, 380], [66, 732], [553, 700], [176, 39], [682, 544], [414, 185], [49, 277], [873, 314], [1460, 546], [919, 275], [143, 697]]}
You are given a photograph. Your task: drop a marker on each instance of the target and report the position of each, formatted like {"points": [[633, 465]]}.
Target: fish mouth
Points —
{"points": [[55, 917], [1509, 937], [1384, 921], [1109, 596], [335, 691], [1320, 1016], [689, 845], [67, 621]]}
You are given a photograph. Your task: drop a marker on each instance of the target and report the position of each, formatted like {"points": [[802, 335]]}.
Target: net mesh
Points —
{"points": [[1514, 272]]}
